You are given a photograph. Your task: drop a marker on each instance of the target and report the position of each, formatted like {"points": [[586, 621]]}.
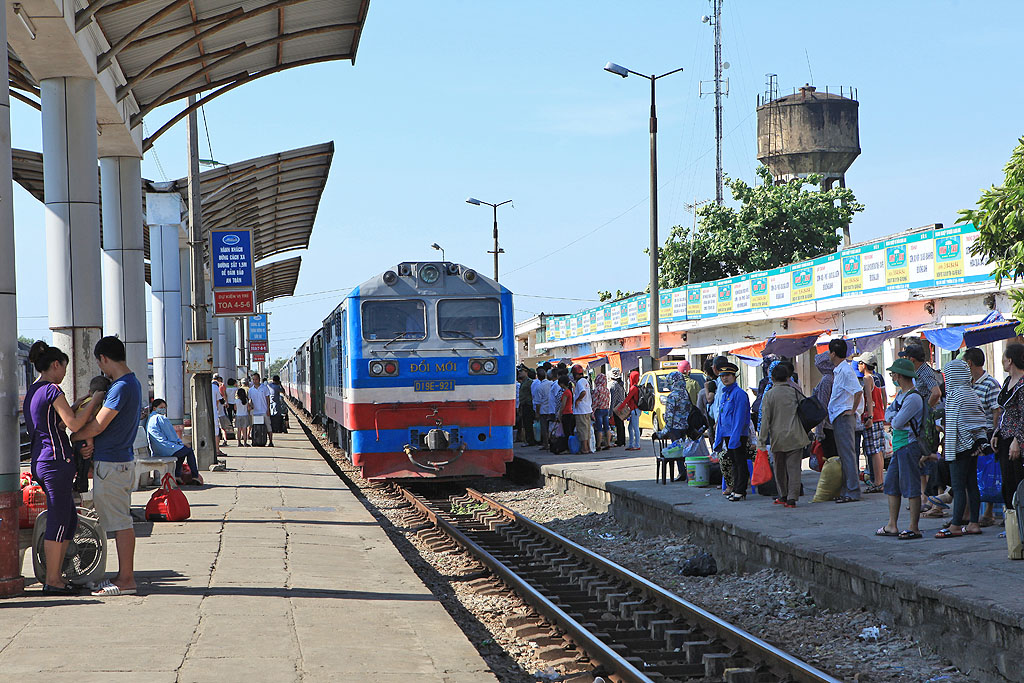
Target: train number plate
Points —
{"points": [[433, 385]]}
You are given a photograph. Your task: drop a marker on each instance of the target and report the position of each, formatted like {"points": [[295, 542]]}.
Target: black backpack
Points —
{"points": [[810, 411], [696, 423], [645, 401]]}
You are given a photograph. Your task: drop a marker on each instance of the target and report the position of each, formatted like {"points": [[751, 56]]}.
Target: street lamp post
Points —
{"points": [[437, 246], [653, 307], [477, 202]]}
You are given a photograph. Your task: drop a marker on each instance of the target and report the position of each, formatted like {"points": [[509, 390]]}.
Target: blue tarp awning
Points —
{"points": [[953, 338], [870, 342]]}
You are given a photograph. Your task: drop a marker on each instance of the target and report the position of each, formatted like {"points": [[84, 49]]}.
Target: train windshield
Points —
{"points": [[469, 318], [392, 319]]}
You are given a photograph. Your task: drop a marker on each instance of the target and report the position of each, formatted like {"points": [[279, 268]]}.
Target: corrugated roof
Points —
{"points": [[276, 195], [277, 279], [168, 50]]}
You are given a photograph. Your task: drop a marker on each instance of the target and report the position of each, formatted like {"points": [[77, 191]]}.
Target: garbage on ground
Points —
{"points": [[872, 633], [700, 565]]}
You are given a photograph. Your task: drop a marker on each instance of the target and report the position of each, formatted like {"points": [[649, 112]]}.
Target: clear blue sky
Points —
{"points": [[509, 101]]}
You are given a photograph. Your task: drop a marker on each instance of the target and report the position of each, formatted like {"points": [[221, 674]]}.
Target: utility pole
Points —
{"points": [[203, 435]]}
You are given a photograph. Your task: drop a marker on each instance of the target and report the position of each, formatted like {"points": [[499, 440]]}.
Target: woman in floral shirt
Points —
{"points": [[677, 407], [1010, 435], [602, 404]]}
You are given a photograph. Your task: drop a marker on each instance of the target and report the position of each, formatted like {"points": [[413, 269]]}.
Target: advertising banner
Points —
{"points": [[759, 297], [779, 287], [679, 303], [801, 286], [828, 277], [708, 300], [665, 309], [724, 297], [693, 302], [741, 294]]}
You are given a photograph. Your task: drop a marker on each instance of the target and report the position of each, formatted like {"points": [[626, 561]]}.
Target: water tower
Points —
{"points": [[810, 131]]}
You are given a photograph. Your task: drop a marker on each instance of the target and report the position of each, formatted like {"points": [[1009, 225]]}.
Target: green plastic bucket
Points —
{"points": [[698, 470]]}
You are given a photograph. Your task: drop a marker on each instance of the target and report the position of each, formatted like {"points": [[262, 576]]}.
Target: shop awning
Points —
{"points": [[872, 342], [788, 345], [994, 328], [591, 359]]}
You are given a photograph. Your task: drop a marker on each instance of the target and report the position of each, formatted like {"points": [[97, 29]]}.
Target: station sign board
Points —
{"points": [[234, 302], [256, 346], [259, 358], [258, 327], [231, 258]]}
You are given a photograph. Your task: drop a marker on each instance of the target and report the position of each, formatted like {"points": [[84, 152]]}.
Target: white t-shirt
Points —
{"points": [[584, 405], [260, 397], [241, 409], [218, 409]]}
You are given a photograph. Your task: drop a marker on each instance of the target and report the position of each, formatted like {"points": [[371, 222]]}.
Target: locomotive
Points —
{"points": [[413, 374]]}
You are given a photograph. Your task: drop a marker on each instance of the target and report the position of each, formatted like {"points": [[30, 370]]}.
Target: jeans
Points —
{"points": [[964, 473], [843, 429], [1012, 470], [601, 421], [182, 454], [634, 429]]}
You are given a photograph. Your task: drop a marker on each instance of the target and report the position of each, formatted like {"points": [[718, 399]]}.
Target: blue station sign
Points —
{"points": [[231, 256], [258, 327]]}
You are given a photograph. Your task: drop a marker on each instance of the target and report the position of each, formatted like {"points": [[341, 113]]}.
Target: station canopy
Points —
{"points": [[165, 51], [277, 279]]}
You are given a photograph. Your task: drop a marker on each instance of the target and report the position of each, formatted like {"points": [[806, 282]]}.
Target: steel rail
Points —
{"points": [[614, 664], [751, 646]]}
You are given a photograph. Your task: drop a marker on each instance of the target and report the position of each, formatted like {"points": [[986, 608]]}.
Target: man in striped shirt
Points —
{"points": [[987, 389]]}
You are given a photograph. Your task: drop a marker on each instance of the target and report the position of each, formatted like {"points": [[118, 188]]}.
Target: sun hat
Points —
{"points": [[904, 367]]}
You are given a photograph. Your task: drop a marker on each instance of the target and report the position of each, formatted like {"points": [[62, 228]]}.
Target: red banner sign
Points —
{"points": [[258, 347], [259, 358], [234, 302]]}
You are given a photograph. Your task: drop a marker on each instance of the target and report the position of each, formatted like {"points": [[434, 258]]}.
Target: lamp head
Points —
{"points": [[474, 202], [437, 246], [613, 68]]}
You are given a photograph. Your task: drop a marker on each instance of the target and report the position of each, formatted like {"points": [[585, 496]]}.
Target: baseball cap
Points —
{"points": [[866, 360], [914, 351]]}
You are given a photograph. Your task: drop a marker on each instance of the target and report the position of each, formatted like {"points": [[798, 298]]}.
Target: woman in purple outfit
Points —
{"points": [[48, 416]]}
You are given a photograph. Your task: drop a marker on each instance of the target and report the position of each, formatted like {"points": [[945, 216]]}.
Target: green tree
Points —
{"points": [[275, 366], [773, 226], [605, 295], [26, 340], [999, 218]]}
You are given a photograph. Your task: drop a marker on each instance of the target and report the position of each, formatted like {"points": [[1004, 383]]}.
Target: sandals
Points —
{"points": [[908, 535], [987, 521], [934, 513], [66, 590], [937, 503], [873, 488], [847, 499], [883, 532], [949, 532], [109, 589], [736, 497]]}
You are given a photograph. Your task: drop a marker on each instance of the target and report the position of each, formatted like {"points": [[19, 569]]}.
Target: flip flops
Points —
{"points": [[108, 589], [949, 532], [908, 535], [883, 532], [937, 503]]}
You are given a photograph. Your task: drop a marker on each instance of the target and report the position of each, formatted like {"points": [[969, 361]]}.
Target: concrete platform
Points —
{"points": [[281, 574], [962, 595]]}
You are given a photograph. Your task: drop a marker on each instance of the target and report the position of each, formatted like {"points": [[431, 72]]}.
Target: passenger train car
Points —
{"points": [[413, 374]]}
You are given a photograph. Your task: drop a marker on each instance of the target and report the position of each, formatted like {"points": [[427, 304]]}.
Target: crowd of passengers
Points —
{"points": [[920, 443]]}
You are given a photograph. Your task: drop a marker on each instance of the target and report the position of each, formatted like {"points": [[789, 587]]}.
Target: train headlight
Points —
{"points": [[376, 368], [429, 274], [483, 366]]}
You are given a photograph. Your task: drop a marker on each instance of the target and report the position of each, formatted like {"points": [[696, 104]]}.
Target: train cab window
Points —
{"points": [[473, 318], [390, 319]]}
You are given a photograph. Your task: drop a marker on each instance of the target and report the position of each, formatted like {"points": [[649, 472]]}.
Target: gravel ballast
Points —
{"points": [[850, 645]]}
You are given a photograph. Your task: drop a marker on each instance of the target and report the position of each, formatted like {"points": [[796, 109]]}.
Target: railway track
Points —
{"points": [[611, 622]]}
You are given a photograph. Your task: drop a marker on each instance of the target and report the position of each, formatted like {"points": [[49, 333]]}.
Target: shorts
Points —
{"points": [[112, 484], [225, 422], [874, 439], [242, 421], [903, 477], [583, 423]]}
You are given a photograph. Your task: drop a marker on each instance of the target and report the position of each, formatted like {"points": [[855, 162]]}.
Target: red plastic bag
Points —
{"points": [[817, 458], [168, 503], [33, 502], [762, 469]]}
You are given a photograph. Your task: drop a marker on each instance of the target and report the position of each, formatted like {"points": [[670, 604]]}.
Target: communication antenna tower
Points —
{"points": [[715, 21]]}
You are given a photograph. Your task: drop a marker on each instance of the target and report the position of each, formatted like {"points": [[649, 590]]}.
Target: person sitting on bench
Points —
{"points": [[165, 443]]}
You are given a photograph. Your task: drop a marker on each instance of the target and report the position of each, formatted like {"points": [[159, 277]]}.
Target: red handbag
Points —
{"points": [[762, 473], [33, 502], [168, 503]]}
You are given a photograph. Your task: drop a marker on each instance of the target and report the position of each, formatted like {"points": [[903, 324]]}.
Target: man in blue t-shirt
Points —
{"points": [[113, 430]]}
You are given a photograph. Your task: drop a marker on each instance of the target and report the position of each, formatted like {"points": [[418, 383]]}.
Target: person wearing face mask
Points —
{"points": [[165, 442]]}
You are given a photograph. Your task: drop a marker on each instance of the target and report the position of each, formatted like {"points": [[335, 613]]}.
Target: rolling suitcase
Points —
{"points": [[259, 430]]}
